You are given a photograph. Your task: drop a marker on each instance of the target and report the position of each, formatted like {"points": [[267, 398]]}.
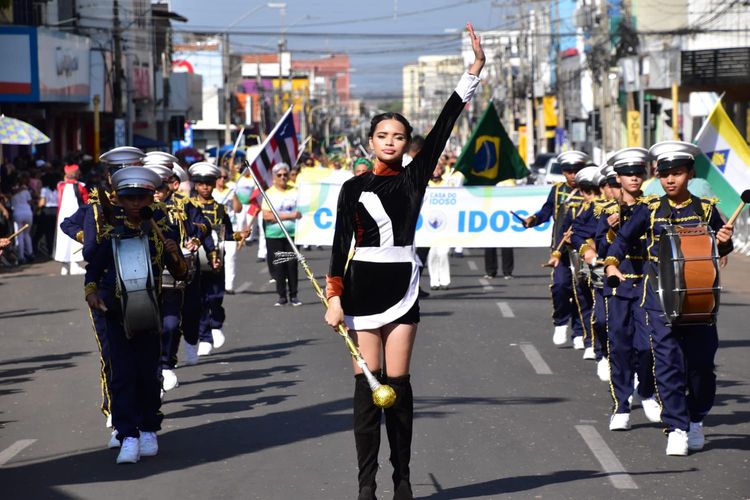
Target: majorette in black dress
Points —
{"points": [[381, 283]]}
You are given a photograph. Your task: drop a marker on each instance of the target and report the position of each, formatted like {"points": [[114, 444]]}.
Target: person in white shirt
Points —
{"points": [[227, 196]]}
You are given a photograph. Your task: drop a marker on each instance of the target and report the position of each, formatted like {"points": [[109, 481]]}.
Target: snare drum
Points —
{"points": [[169, 282], [688, 282], [138, 299]]}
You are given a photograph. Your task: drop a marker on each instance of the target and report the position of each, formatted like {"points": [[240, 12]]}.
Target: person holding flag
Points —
{"points": [[376, 293]]}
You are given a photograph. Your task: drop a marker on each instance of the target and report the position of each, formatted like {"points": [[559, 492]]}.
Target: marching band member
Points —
{"points": [[72, 195], [627, 331], [101, 203], [562, 198], [438, 261], [187, 221], [681, 352], [581, 214], [227, 196], [135, 384], [204, 175], [584, 223], [376, 295]]}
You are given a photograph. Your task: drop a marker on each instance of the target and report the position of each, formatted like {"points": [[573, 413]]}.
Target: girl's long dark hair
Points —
{"points": [[390, 116]]}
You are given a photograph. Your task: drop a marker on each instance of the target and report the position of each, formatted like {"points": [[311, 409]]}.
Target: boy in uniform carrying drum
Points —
{"points": [[681, 351]]}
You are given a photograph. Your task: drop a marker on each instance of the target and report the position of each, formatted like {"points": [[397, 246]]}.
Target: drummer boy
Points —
{"points": [[135, 385], [684, 352]]}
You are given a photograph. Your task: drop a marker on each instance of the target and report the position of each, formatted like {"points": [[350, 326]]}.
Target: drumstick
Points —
{"points": [[24, 228], [559, 245], [745, 200], [518, 217]]}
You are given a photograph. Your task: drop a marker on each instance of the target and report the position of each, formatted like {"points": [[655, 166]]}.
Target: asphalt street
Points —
{"points": [[500, 411]]}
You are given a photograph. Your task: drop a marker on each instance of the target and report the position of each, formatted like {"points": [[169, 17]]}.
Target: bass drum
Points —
{"points": [[138, 298], [688, 282]]}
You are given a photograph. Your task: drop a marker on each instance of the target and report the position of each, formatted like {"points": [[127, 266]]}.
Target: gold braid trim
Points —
{"points": [[90, 288], [611, 261], [611, 235], [79, 236]]}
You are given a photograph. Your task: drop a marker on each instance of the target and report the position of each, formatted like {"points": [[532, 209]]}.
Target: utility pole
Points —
{"points": [[227, 93], [558, 83], [530, 93], [117, 63]]}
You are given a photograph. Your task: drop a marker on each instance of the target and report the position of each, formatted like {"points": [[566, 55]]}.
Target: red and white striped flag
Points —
{"points": [[281, 145]]}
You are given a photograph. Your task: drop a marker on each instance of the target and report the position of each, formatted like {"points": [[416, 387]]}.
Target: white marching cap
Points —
{"points": [[608, 171], [629, 156], [163, 172], [588, 175], [133, 180], [180, 172], [204, 169], [124, 155], [573, 158], [159, 157], [674, 150]]}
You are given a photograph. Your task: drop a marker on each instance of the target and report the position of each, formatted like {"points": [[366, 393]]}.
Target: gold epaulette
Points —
{"points": [[608, 207], [93, 196], [652, 201]]}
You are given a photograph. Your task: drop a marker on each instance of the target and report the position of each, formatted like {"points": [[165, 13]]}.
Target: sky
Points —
{"points": [[381, 36]]}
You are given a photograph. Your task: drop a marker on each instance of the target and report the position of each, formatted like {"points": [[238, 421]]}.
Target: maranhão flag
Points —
{"points": [[727, 150], [281, 145], [490, 156]]}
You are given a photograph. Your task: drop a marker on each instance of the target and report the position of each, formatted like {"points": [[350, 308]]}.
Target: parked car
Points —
{"points": [[538, 167], [553, 173]]}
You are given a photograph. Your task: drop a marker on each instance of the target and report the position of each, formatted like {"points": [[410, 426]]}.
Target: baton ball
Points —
{"points": [[384, 396]]}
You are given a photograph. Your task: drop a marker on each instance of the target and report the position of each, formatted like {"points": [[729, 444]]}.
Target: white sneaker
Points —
{"points": [[560, 337], [64, 270], [148, 444], [129, 451], [113, 441], [169, 380], [219, 338], [677, 443], [652, 409], [204, 348], [696, 439], [589, 353], [602, 369], [619, 422], [578, 343], [191, 354], [108, 425]]}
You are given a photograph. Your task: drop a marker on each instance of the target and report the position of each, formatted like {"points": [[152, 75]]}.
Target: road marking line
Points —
{"points": [[486, 284], [11, 451], [537, 362], [617, 474], [472, 265], [505, 310], [243, 287]]}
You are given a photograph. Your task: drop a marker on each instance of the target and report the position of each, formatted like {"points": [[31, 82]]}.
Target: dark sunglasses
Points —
{"points": [[282, 175]]}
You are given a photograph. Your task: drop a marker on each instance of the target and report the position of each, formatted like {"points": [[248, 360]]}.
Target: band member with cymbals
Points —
{"points": [[681, 352], [211, 336], [562, 198], [627, 332], [135, 383], [376, 294]]}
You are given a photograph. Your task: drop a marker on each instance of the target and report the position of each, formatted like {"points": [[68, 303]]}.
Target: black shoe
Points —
{"points": [[280, 302], [398, 423], [367, 493], [403, 491], [423, 294]]}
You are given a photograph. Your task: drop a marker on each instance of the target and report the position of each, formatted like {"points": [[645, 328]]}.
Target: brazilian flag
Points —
{"points": [[490, 156]]}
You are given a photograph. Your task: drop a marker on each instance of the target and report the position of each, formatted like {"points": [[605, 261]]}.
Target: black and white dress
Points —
{"points": [[381, 282]]}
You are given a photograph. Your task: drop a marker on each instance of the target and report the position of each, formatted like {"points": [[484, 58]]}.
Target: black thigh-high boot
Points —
{"points": [[366, 436], [398, 424]]}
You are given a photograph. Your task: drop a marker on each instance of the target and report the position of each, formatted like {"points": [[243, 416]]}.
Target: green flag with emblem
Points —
{"points": [[490, 156]]}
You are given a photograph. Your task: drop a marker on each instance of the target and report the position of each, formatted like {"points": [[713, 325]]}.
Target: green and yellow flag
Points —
{"points": [[490, 156]]}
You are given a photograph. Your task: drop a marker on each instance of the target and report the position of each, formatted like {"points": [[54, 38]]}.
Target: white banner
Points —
{"points": [[470, 217]]}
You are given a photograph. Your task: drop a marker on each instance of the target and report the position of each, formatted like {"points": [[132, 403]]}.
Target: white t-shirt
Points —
{"points": [[50, 197]]}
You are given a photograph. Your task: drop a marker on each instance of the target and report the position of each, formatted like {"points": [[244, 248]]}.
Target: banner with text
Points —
{"points": [[471, 217]]}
